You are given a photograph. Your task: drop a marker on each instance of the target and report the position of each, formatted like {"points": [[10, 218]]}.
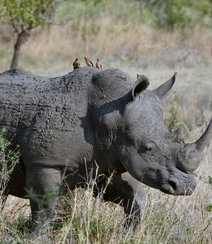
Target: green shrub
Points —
{"points": [[178, 14], [174, 120], [8, 159]]}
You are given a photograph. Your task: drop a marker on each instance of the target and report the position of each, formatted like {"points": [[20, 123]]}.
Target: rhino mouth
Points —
{"points": [[175, 186]]}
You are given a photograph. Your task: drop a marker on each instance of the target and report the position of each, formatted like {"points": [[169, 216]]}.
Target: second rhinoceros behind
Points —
{"points": [[69, 126]]}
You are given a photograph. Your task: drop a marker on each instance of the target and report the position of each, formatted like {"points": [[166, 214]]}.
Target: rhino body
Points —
{"points": [[91, 124]]}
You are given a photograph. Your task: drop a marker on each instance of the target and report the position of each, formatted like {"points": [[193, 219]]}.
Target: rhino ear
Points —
{"points": [[140, 87], [162, 90]]}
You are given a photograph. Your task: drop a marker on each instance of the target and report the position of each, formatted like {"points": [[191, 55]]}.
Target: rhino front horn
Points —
{"points": [[191, 155]]}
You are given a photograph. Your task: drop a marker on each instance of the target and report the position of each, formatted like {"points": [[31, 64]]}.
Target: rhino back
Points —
{"points": [[43, 112], [57, 118]]}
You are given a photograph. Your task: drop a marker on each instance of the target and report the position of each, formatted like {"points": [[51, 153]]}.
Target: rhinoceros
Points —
{"points": [[89, 121]]}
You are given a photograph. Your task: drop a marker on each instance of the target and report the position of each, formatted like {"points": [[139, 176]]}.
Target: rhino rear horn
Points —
{"points": [[192, 152], [177, 135], [162, 90]]}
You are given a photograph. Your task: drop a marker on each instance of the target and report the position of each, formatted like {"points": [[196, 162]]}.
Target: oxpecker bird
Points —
{"points": [[76, 64], [88, 62], [98, 65]]}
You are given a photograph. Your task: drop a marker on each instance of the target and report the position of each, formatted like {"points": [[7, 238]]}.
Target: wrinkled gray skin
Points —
{"points": [[70, 126]]}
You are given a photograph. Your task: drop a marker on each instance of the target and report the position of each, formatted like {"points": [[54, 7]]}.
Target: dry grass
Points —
{"points": [[134, 48], [166, 219]]}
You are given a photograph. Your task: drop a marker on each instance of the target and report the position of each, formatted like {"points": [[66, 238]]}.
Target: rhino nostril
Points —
{"points": [[173, 185]]}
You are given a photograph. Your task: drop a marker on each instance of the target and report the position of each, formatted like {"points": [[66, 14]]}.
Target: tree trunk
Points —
{"points": [[21, 40]]}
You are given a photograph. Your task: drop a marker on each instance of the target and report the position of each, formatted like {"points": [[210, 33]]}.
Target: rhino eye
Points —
{"points": [[147, 147], [150, 146]]}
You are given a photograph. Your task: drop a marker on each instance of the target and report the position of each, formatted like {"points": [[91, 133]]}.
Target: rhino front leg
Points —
{"points": [[129, 193], [43, 186]]}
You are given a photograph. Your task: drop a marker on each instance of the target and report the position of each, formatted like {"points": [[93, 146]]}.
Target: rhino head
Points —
{"points": [[149, 152], [139, 140]]}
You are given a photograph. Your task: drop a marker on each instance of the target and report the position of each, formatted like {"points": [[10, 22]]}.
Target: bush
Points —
{"points": [[178, 14], [8, 158], [174, 120]]}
